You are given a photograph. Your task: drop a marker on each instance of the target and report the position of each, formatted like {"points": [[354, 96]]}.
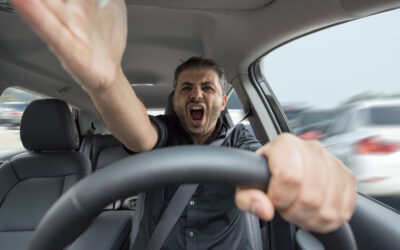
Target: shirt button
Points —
{"points": [[191, 234], [191, 203]]}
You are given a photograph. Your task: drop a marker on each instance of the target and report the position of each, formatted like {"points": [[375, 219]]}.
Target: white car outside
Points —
{"points": [[366, 137]]}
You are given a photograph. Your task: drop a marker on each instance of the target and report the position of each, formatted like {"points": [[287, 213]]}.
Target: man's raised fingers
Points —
{"points": [[45, 24], [57, 7]]}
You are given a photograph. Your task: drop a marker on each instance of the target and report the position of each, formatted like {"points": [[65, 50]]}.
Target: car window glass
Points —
{"points": [[389, 115], [155, 112], [13, 102], [236, 111], [352, 68]]}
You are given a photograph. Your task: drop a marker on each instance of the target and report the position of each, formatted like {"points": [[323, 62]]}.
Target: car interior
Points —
{"points": [[66, 142]]}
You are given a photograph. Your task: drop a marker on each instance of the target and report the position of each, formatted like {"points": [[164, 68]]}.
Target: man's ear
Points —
{"points": [[224, 100]]}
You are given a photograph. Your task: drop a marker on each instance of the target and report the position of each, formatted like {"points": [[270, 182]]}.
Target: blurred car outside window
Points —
{"points": [[293, 111], [313, 124], [347, 77]]}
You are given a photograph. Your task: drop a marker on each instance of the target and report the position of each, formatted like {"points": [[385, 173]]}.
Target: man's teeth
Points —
{"points": [[196, 108]]}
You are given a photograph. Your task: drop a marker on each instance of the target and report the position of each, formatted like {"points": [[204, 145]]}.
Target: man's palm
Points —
{"points": [[89, 37]]}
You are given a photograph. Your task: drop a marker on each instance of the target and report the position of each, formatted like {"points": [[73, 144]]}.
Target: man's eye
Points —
{"points": [[185, 88], [207, 88]]}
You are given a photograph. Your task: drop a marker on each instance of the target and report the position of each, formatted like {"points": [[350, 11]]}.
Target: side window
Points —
{"points": [[13, 102], [236, 112], [352, 67]]}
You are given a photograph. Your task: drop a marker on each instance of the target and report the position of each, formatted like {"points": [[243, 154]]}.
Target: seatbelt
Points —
{"points": [[137, 216], [176, 206], [87, 144], [87, 147]]}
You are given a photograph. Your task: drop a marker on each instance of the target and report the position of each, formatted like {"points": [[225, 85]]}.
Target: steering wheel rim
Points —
{"points": [[158, 168]]}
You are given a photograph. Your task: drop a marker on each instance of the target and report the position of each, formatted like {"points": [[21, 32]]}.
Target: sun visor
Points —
{"points": [[205, 4]]}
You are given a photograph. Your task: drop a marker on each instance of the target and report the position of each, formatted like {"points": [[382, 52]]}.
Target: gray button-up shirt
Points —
{"points": [[211, 219]]}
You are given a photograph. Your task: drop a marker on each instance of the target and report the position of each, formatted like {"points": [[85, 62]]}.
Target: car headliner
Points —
{"points": [[163, 33]]}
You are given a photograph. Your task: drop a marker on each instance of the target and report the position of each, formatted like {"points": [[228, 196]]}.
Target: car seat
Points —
{"points": [[31, 182]]}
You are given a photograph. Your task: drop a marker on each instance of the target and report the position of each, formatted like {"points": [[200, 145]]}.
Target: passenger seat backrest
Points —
{"points": [[30, 183], [103, 150]]}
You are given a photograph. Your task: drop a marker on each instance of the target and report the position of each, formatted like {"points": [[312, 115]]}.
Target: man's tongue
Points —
{"points": [[197, 115]]}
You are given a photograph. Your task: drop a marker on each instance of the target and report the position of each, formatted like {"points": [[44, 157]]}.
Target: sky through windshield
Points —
{"points": [[329, 67]]}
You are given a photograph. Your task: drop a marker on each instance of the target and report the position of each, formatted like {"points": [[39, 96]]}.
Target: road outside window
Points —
{"points": [[13, 102], [341, 86]]}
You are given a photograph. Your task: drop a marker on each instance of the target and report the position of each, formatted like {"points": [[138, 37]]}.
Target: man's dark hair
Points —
{"points": [[195, 62]]}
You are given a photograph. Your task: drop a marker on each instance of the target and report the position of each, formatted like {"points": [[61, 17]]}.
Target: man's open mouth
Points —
{"points": [[196, 113]]}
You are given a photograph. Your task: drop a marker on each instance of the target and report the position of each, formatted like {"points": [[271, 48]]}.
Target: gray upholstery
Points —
{"points": [[18, 240], [110, 155], [106, 149], [31, 182], [111, 229], [102, 150], [47, 125], [108, 231]]}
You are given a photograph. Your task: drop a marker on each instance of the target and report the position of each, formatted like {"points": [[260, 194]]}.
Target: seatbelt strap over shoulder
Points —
{"points": [[176, 206], [87, 144], [220, 141]]}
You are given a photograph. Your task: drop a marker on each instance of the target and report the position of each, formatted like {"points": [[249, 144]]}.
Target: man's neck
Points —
{"points": [[200, 140], [203, 138]]}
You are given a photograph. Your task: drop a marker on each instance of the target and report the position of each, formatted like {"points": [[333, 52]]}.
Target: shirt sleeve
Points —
{"points": [[162, 132], [245, 139]]}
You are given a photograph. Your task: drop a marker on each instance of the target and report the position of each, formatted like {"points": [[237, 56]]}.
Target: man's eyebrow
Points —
{"points": [[191, 84], [206, 83], [187, 84]]}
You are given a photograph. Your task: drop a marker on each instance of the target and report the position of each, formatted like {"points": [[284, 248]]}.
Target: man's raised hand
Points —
{"points": [[88, 37]]}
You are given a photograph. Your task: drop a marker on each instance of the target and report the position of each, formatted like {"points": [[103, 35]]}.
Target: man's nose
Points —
{"points": [[197, 93]]}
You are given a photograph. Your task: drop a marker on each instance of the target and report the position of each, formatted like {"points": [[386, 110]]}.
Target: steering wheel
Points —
{"points": [[75, 210]]}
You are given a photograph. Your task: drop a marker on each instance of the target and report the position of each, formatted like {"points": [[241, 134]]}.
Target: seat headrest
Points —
{"points": [[47, 125]]}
